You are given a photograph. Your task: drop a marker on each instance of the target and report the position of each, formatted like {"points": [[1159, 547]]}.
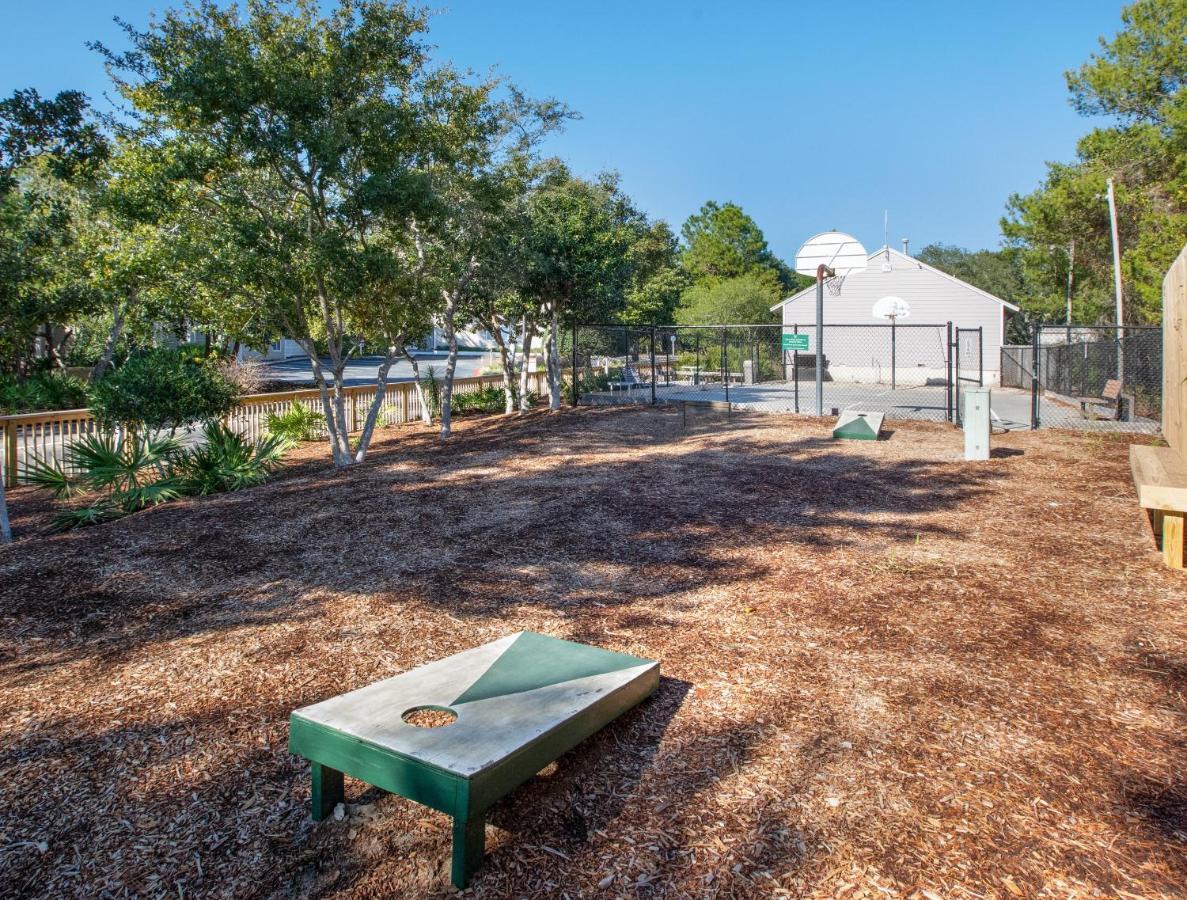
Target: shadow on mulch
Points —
{"points": [[259, 556]]}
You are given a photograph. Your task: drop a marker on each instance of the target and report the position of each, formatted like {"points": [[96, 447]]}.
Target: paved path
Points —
{"points": [[1010, 406], [362, 370]]}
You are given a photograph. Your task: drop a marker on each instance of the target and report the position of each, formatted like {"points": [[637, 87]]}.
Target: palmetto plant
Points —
{"points": [[128, 472], [226, 461], [131, 472]]}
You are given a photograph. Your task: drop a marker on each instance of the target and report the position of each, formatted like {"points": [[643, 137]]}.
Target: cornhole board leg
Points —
{"points": [[469, 846], [328, 791], [855, 425]]}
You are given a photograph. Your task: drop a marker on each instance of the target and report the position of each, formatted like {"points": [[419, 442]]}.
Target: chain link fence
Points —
{"points": [[1099, 377], [903, 371]]}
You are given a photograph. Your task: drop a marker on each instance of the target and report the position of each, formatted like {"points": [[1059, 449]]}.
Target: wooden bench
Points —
{"points": [[1160, 477], [1110, 397], [516, 704]]}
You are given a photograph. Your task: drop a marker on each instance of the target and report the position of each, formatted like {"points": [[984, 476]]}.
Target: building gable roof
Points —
{"points": [[891, 253]]}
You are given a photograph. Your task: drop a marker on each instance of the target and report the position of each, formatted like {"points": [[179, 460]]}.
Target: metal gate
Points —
{"points": [[968, 364]]}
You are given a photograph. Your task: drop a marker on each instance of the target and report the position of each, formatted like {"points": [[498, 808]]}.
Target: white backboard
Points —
{"points": [[892, 308], [841, 252]]}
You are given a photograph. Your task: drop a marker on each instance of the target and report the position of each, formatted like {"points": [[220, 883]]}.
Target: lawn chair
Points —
{"points": [[630, 379]]}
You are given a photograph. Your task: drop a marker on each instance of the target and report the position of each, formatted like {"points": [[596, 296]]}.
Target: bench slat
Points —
{"points": [[1160, 477]]}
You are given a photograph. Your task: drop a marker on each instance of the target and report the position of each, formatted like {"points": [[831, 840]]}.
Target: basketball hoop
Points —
{"points": [[828, 257]]}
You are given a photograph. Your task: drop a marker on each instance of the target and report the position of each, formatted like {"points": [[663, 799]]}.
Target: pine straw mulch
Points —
{"points": [[886, 671]]}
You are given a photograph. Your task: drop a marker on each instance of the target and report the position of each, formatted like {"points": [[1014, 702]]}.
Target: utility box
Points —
{"points": [[747, 371], [974, 418]]}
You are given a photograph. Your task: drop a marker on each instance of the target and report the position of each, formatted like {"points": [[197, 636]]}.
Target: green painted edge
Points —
{"points": [[502, 777], [533, 661], [394, 772], [857, 430]]}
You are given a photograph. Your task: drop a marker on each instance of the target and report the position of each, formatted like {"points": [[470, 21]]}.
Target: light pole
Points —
{"points": [[1112, 197]]}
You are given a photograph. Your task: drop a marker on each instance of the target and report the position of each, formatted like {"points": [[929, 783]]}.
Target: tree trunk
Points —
{"points": [[450, 318], [376, 404], [118, 313], [554, 360], [526, 335], [5, 527], [332, 403]]}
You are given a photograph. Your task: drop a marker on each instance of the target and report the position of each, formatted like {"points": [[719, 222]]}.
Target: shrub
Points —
{"points": [[248, 375], [226, 461], [431, 388], [127, 473], [162, 389], [296, 424], [487, 399], [42, 391]]}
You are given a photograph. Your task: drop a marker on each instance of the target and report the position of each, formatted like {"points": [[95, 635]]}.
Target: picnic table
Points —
{"points": [[516, 704]]}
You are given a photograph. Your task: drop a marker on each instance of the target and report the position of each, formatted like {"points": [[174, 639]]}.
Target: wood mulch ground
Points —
{"points": [[887, 671]]}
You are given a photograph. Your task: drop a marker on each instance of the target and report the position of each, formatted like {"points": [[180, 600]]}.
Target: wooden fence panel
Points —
{"points": [[47, 435], [1174, 355]]}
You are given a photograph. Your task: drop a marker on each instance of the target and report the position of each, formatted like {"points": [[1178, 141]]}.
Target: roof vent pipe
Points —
{"points": [[906, 244]]}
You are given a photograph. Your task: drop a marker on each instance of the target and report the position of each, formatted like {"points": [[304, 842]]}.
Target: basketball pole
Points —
{"points": [[822, 272]]}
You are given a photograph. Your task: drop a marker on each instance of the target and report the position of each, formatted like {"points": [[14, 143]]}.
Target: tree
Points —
{"points": [[49, 152], [43, 145], [721, 241], [576, 251], [746, 299], [310, 142], [1138, 77], [657, 279]]}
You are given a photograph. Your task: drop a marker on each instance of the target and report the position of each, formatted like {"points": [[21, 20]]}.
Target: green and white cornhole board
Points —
{"points": [[520, 702], [858, 426]]}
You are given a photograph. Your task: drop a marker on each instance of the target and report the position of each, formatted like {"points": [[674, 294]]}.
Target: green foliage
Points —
{"points": [[296, 424], [49, 153], [487, 399], [127, 473], [1138, 77], [576, 245], [226, 461], [721, 241], [430, 387], [162, 389], [42, 391], [745, 299]]}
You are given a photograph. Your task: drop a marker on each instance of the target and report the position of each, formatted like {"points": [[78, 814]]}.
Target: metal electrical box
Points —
{"points": [[974, 419]]}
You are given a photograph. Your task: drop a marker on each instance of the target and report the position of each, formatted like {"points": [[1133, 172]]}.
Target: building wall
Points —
{"points": [[863, 354]]}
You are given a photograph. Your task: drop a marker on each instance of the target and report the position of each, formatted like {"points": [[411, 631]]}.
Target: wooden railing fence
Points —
{"points": [[47, 435]]}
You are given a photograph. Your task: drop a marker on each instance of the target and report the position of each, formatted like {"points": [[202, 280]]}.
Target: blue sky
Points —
{"points": [[812, 116]]}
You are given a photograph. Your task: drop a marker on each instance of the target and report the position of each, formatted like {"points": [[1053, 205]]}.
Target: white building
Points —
{"points": [[935, 299]]}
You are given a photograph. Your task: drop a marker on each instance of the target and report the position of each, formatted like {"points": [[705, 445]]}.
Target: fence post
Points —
{"points": [[725, 370], [795, 371], [10, 453], [1034, 380], [575, 363], [948, 389], [981, 356], [653, 365]]}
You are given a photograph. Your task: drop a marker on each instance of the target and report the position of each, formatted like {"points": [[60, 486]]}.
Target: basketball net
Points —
{"points": [[834, 285]]}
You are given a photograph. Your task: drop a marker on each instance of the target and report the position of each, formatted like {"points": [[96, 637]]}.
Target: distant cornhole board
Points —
{"points": [[460, 733], [854, 425]]}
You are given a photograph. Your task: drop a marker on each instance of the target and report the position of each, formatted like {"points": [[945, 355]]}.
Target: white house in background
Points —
{"points": [[935, 298]]}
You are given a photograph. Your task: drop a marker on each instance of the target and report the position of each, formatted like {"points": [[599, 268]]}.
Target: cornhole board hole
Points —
{"points": [[512, 707], [854, 425]]}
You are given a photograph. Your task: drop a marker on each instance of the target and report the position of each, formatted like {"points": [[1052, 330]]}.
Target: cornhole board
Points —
{"points": [[520, 702], [855, 425]]}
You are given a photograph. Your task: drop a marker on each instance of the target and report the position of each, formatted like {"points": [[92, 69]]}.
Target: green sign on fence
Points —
{"points": [[795, 342]]}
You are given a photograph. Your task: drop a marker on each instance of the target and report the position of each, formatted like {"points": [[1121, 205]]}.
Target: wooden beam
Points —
{"points": [[1172, 539]]}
